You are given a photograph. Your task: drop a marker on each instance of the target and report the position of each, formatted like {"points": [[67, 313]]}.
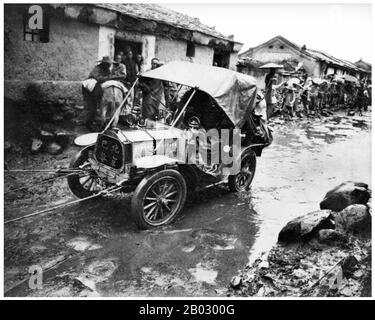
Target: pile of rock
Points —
{"points": [[323, 253], [57, 111], [52, 142]]}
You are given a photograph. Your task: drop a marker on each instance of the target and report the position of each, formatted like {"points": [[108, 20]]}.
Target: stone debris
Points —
{"points": [[354, 218], [304, 227], [54, 148], [236, 282], [36, 145], [346, 194], [329, 236], [321, 254]]}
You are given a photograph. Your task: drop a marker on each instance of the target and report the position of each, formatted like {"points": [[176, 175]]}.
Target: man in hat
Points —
{"points": [[92, 91]]}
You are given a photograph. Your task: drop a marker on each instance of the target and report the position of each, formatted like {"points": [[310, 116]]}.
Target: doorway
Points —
{"points": [[124, 46], [221, 59]]}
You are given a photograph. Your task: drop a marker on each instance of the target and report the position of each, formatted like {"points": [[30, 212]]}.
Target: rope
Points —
{"points": [[41, 170], [109, 190], [39, 183]]}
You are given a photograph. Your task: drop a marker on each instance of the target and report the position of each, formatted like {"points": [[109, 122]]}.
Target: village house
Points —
{"points": [[284, 52], [364, 66], [54, 60]]}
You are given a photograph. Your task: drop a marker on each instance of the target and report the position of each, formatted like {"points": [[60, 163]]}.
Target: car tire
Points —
{"points": [[158, 199], [242, 180], [78, 184]]}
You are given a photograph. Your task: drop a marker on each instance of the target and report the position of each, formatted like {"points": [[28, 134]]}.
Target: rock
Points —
{"points": [[235, 282], [331, 236], [57, 117], [69, 114], [349, 265], [263, 265], [354, 218], [304, 227], [46, 136], [11, 147], [7, 146], [36, 145], [358, 274], [346, 194], [54, 148], [299, 273], [63, 139]]}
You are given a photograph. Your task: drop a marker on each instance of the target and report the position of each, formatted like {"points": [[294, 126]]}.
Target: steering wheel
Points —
{"points": [[194, 122]]}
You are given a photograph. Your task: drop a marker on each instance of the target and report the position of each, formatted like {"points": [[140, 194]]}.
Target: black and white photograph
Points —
{"points": [[187, 150]]}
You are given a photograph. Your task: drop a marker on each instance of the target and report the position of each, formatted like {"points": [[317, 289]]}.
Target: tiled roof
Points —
{"points": [[321, 55], [316, 54], [363, 65], [154, 12]]}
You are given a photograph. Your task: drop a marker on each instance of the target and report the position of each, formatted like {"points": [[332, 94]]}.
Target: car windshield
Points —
{"points": [[160, 104]]}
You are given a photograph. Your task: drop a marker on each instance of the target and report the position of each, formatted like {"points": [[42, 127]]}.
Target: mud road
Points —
{"points": [[95, 249]]}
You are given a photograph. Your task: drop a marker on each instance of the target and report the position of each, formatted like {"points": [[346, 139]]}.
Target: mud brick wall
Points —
{"points": [[54, 69], [169, 50]]}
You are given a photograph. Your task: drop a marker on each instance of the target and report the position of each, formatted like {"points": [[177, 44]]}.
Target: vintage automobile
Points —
{"points": [[150, 157]]}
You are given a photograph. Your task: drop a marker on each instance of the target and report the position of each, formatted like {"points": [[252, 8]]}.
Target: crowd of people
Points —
{"points": [[302, 95], [298, 96], [124, 69]]}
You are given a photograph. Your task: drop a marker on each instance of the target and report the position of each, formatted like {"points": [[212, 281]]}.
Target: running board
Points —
{"points": [[212, 185]]}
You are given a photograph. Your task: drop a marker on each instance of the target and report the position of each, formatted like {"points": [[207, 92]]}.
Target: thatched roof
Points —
{"points": [[157, 13]]}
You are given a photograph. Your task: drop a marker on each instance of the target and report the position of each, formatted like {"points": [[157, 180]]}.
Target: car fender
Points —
{"points": [[86, 139], [78, 154], [256, 147], [155, 161]]}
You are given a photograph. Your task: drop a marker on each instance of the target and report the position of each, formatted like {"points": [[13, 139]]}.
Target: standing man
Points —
{"points": [[289, 101], [131, 67], [92, 91], [140, 63], [270, 80], [153, 94]]}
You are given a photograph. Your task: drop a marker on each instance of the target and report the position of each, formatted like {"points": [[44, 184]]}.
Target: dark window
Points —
{"points": [[37, 35], [281, 47], [270, 47], [190, 49]]}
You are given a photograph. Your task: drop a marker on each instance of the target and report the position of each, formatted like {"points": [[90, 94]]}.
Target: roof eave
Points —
{"points": [[169, 24]]}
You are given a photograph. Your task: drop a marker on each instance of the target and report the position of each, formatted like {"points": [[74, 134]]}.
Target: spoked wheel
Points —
{"points": [[87, 182], [158, 199], [242, 180]]}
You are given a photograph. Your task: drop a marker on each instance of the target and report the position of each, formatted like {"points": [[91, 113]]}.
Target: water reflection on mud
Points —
{"points": [[307, 158]]}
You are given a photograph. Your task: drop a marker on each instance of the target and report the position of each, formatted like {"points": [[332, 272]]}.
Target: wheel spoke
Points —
{"points": [[170, 194], [161, 211], [155, 213], [90, 185], [167, 190], [149, 205], [170, 200], [148, 214], [154, 192], [166, 206], [84, 182], [150, 199]]}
